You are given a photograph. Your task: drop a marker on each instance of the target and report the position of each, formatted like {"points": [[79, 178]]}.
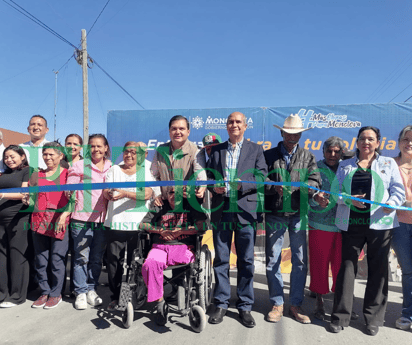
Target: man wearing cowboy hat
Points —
{"points": [[286, 209]]}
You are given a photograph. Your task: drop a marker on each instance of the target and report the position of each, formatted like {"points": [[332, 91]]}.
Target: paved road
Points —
{"points": [[65, 325]]}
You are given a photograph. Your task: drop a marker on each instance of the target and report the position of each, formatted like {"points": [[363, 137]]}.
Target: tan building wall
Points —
{"points": [[11, 137]]}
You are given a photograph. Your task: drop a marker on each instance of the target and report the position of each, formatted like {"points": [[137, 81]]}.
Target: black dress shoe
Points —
{"points": [[334, 328], [247, 318], [354, 316], [217, 316], [372, 330]]}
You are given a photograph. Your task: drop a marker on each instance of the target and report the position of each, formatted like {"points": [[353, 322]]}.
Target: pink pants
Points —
{"points": [[160, 257], [324, 248]]}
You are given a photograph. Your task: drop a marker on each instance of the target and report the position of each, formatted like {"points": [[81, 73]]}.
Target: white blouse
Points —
{"points": [[126, 214]]}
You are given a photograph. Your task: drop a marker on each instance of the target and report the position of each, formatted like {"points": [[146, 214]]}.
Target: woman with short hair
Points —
{"points": [[325, 240]]}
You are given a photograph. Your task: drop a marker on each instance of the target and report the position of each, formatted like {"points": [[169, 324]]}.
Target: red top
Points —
{"points": [[44, 218]]}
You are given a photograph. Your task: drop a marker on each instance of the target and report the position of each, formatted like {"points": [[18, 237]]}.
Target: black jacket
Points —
{"points": [[251, 167], [302, 168]]}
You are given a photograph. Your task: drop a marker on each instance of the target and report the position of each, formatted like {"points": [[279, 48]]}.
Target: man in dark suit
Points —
{"points": [[234, 160]]}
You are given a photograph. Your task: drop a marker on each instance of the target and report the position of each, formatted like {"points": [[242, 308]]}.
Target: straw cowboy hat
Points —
{"points": [[292, 125]]}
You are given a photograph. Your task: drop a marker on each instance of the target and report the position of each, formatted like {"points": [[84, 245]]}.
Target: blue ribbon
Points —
{"points": [[109, 185]]}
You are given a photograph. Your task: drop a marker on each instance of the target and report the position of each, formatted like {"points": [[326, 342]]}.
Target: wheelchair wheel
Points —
{"points": [[128, 316], [205, 281], [197, 319]]}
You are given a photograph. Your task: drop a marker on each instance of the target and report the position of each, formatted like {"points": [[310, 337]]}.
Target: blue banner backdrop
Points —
{"points": [[151, 126]]}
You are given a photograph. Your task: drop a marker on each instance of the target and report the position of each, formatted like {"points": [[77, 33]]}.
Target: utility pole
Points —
{"points": [[55, 102], [85, 90]]}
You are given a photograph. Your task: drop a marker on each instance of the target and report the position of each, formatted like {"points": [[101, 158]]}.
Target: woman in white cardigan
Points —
{"points": [[367, 176]]}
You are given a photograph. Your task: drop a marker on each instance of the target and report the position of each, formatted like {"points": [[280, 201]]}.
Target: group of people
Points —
{"points": [[349, 203], [344, 203]]}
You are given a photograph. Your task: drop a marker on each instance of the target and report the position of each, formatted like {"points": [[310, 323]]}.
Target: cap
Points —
{"points": [[211, 138]]}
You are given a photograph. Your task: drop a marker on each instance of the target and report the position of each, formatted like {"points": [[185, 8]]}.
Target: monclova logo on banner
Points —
{"points": [[324, 121], [309, 117], [312, 120], [214, 123]]}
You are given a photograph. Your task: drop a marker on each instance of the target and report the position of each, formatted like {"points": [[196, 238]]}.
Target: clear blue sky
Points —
{"points": [[202, 54]]}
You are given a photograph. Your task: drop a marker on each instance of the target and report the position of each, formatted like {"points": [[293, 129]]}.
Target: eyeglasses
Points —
{"points": [[131, 152]]}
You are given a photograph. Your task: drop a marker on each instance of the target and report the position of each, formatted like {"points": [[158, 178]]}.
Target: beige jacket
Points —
{"points": [[178, 165]]}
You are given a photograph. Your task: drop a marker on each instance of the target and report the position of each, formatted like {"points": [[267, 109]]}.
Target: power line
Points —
{"points": [[45, 98], [124, 5], [397, 70], [2, 81], [408, 99], [88, 32], [60, 16], [67, 87], [97, 91], [71, 57], [46, 27], [400, 93], [397, 77], [98, 17], [94, 61], [38, 22]]}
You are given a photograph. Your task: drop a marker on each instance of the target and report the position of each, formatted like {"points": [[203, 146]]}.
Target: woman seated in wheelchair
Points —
{"points": [[173, 244]]}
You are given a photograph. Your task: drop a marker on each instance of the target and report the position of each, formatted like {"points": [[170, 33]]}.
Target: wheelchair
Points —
{"points": [[193, 284]]}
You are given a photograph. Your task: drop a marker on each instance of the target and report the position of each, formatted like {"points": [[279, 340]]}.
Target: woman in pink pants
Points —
{"points": [[173, 244]]}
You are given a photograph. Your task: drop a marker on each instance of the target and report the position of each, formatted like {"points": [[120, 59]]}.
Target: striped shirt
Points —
{"points": [[36, 160], [232, 160]]}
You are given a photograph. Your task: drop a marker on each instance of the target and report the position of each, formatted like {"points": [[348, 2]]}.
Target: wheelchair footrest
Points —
{"points": [[184, 312], [125, 296]]}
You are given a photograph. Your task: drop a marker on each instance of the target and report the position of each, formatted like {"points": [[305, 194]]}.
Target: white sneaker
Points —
{"points": [[403, 323], [93, 298], [81, 302], [7, 305]]}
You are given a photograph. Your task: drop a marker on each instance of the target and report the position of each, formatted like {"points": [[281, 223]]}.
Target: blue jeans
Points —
{"points": [[89, 244], [402, 244], [275, 231], [50, 252], [244, 242]]}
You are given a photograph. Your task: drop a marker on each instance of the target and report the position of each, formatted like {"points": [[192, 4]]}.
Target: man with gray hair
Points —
{"points": [[325, 239], [2, 167], [236, 157]]}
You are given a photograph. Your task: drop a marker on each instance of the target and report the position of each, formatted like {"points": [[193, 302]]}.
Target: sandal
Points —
{"points": [[161, 313], [319, 312], [113, 305]]}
